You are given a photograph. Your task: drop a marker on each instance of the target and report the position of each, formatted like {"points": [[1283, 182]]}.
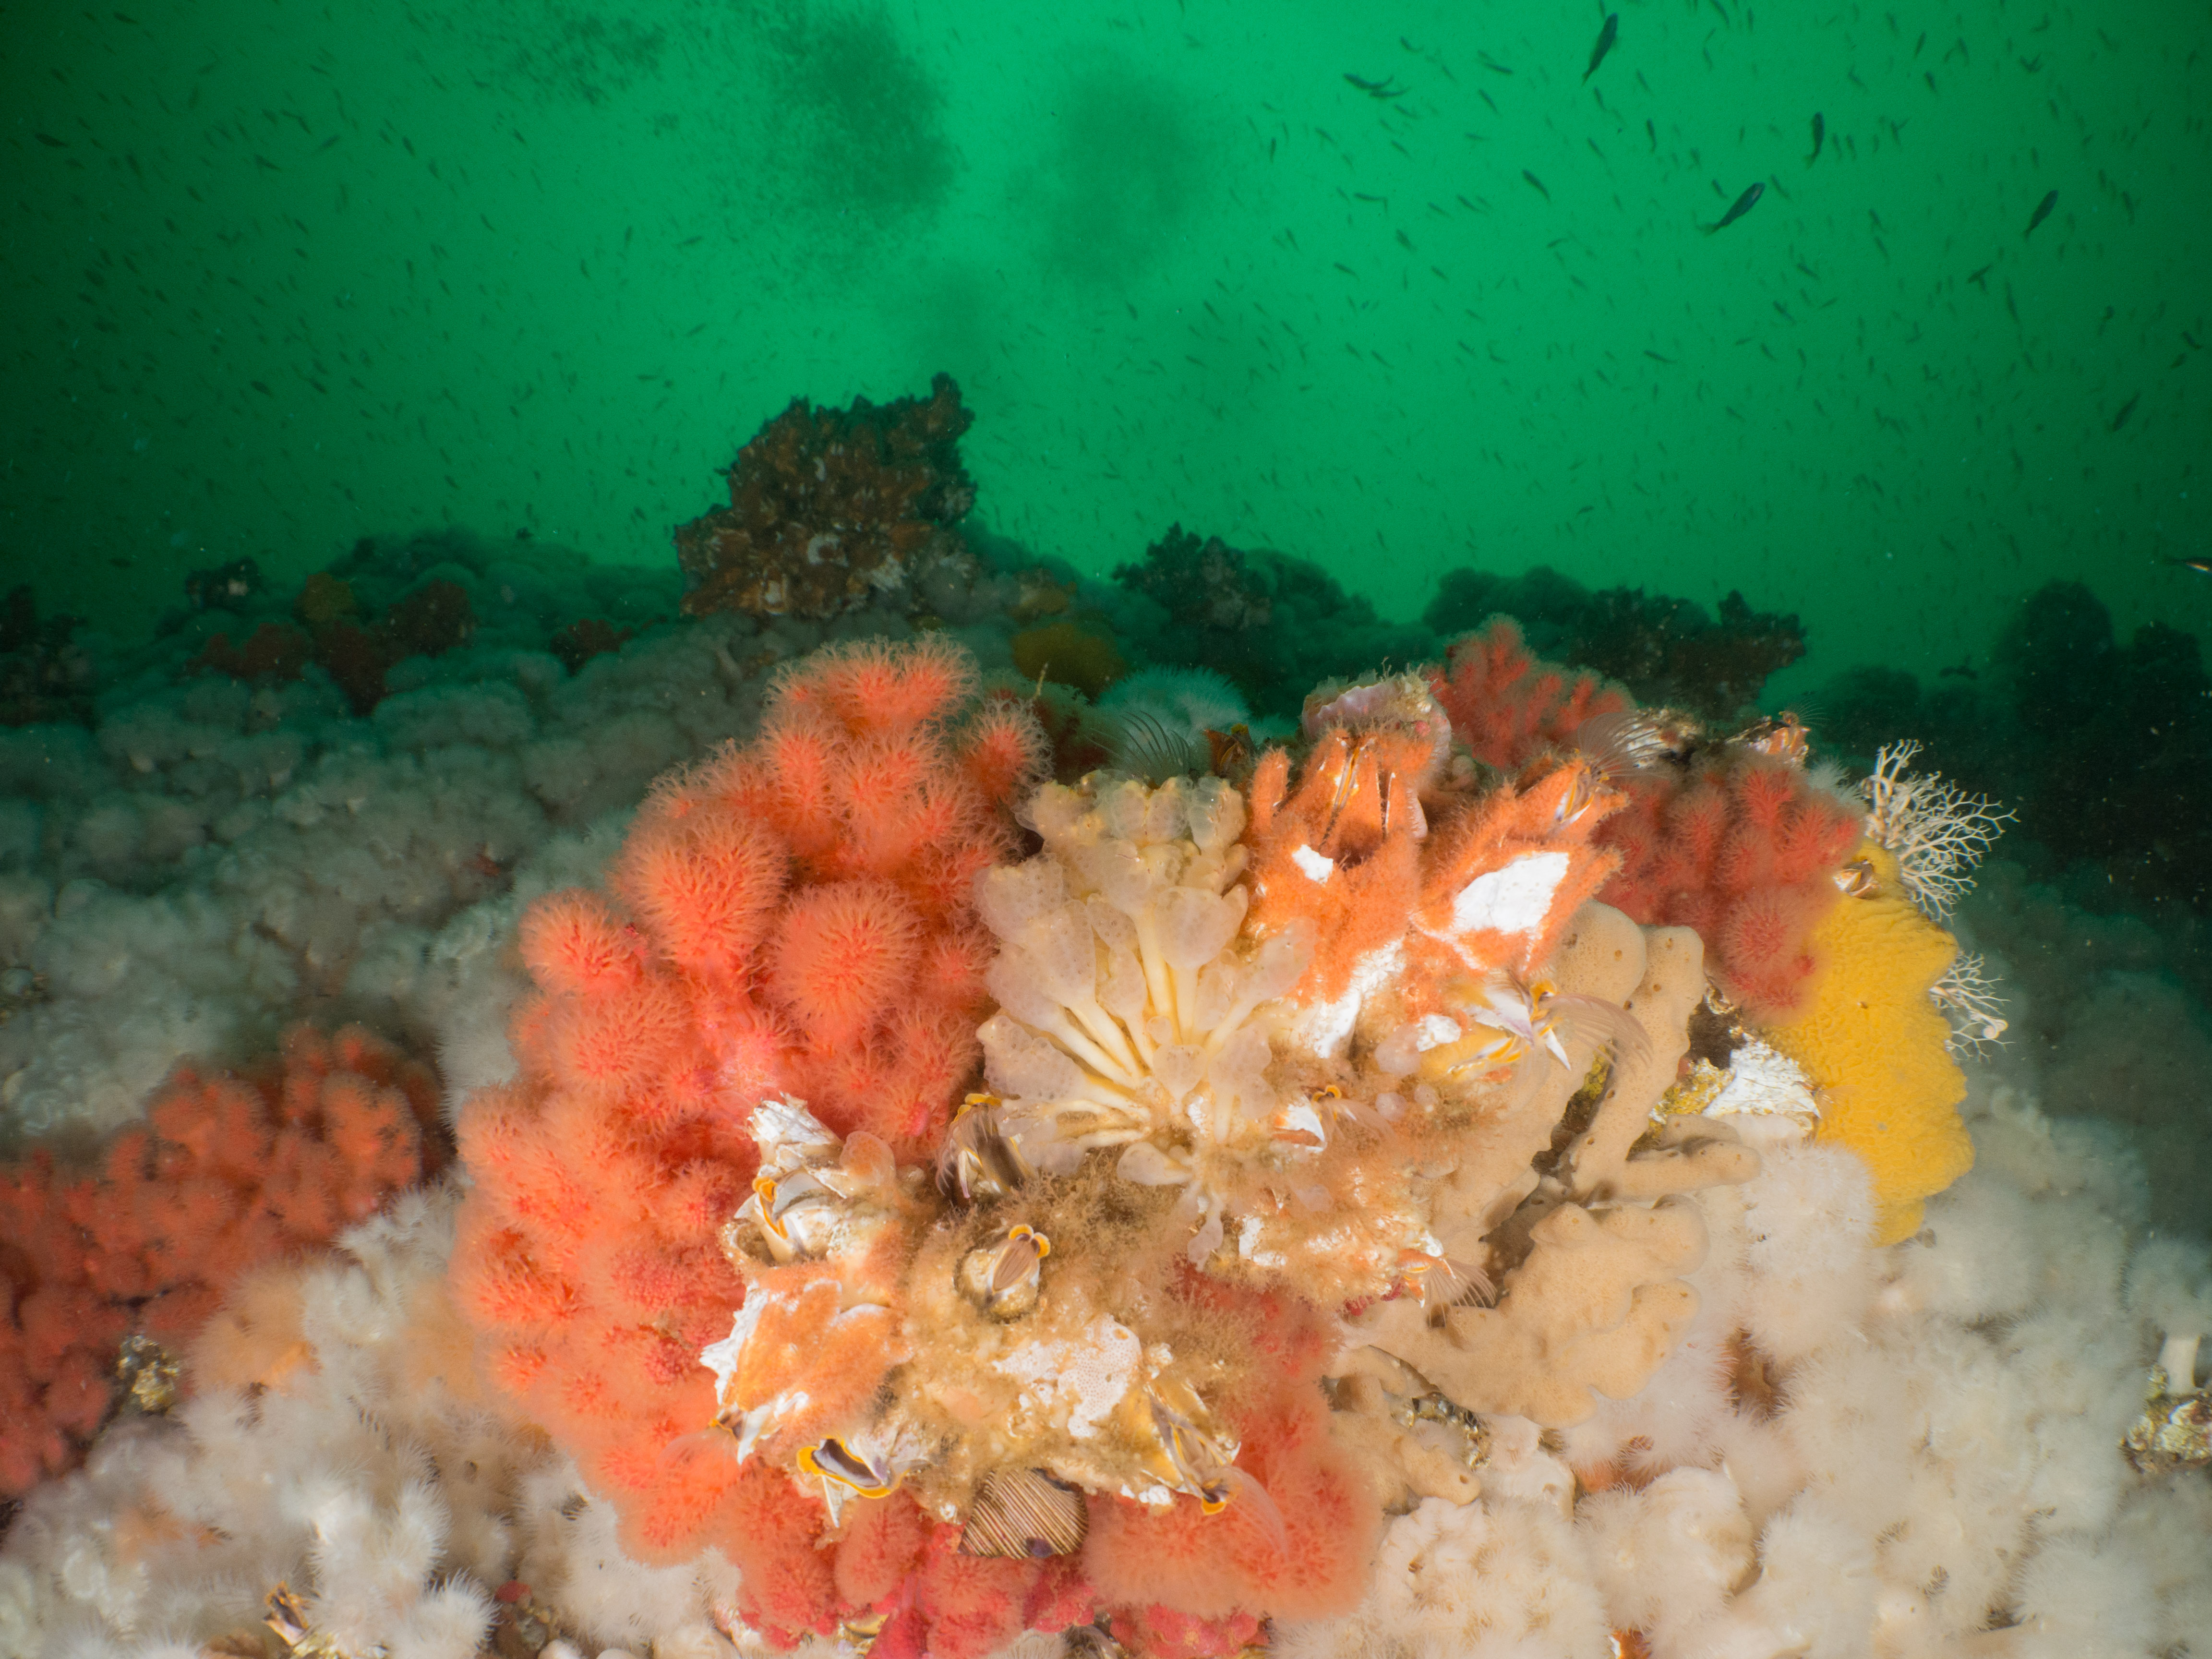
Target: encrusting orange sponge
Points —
{"points": [[1876, 1043]]}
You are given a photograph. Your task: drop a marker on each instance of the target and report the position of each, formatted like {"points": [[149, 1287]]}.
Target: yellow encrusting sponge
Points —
{"points": [[1875, 1044]]}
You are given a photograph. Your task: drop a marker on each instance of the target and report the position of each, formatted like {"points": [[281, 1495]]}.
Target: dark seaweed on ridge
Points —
{"points": [[43, 675], [1274, 625], [2104, 749], [1666, 650]]}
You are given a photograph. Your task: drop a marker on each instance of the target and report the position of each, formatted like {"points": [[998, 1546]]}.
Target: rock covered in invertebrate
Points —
{"points": [[830, 508], [1254, 1060], [1166, 1143], [1408, 888], [1139, 1015]]}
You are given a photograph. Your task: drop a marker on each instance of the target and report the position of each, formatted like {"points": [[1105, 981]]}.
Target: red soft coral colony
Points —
{"points": [[1743, 846], [791, 920], [1732, 839], [229, 1171]]}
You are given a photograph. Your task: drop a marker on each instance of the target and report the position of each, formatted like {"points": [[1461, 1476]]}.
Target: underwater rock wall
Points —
{"points": [[945, 1142], [1363, 1236]]}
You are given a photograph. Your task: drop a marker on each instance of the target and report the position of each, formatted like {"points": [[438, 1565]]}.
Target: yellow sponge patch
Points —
{"points": [[1875, 1045]]}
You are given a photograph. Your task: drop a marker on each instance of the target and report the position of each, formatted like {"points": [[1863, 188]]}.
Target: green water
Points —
{"points": [[279, 275]]}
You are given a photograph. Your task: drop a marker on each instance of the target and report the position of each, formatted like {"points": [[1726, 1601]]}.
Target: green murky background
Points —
{"points": [[277, 275]]}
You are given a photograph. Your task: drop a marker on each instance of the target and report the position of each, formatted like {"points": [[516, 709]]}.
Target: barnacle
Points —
{"points": [[1023, 1513], [976, 1161], [2175, 1429], [1517, 1020], [1004, 1278]]}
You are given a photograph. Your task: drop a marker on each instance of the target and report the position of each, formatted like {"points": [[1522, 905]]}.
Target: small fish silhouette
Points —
{"points": [[1606, 36], [1744, 204]]}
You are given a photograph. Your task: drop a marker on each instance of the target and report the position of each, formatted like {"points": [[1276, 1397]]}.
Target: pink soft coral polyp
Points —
{"points": [[871, 685], [1743, 847], [842, 952], [706, 882]]}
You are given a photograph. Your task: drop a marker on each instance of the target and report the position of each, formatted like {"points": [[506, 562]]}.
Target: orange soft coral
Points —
{"points": [[1735, 840], [229, 1172], [790, 917], [1178, 1557], [1743, 847], [1343, 849], [1507, 707], [1489, 884], [811, 1364]]}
